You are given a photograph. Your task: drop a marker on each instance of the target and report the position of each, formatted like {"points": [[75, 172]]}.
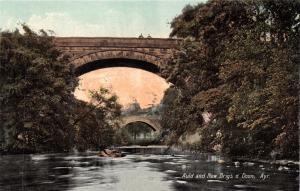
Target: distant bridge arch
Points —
{"points": [[153, 122]]}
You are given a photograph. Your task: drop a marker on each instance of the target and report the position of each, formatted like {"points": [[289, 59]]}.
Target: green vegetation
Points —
{"points": [[135, 109], [97, 121], [38, 110], [238, 62]]}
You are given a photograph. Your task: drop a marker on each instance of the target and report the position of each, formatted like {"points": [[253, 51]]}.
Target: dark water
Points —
{"points": [[139, 172]]}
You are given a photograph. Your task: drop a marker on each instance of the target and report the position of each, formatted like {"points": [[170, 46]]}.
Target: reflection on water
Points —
{"points": [[139, 172]]}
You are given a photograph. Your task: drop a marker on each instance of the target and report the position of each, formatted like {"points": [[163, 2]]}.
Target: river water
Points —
{"points": [[140, 172]]}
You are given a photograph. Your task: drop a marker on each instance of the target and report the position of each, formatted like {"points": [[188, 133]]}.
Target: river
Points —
{"points": [[140, 172]]}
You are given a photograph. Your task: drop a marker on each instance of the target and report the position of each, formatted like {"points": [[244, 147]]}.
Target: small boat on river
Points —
{"points": [[110, 153]]}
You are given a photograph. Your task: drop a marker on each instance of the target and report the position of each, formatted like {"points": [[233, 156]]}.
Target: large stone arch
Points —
{"points": [[153, 123], [150, 53], [112, 58]]}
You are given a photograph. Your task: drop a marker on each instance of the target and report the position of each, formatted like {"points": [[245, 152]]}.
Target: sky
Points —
{"points": [[129, 84], [110, 18], [114, 18]]}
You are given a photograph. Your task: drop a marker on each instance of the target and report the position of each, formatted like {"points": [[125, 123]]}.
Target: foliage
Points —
{"points": [[36, 93], [178, 118], [238, 61], [132, 108], [38, 110], [135, 109], [99, 124]]}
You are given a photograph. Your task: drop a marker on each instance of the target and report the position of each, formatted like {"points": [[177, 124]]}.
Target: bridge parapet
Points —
{"points": [[83, 50], [114, 42]]}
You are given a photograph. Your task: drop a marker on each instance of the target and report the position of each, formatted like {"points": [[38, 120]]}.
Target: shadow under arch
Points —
{"points": [[116, 62], [151, 126], [154, 123]]}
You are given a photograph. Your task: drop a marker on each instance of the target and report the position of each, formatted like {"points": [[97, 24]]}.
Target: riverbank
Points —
{"points": [[243, 159], [272, 162]]}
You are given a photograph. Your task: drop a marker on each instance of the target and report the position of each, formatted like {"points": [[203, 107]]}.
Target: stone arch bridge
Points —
{"points": [[90, 53], [152, 121]]}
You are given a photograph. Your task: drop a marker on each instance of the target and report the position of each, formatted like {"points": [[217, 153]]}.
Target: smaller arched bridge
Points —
{"points": [[153, 122]]}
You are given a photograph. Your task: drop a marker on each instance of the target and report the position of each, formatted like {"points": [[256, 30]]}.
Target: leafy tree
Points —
{"points": [[178, 118], [36, 98], [239, 62], [260, 70], [97, 121], [39, 112]]}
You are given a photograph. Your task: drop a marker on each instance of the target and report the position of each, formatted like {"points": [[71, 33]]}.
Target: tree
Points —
{"points": [[260, 70], [132, 108], [97, 121], [239, 62], [39, 112], [178, 118], [36, 93]]}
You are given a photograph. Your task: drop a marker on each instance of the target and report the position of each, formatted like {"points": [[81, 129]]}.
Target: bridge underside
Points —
{"points": [[116, 62], [150, 126], [153, 122]]}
